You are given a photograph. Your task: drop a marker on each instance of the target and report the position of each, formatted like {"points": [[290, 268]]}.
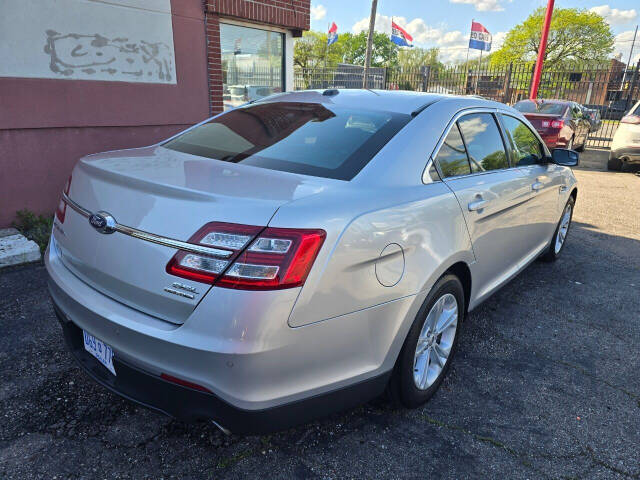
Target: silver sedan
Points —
{"points": [[301, 254]]}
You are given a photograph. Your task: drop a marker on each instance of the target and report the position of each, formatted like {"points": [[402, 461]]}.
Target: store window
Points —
{"points": [[252, 63]]}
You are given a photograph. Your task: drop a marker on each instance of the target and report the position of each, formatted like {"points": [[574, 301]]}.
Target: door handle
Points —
{"points": [[477, 204], [537, 186]]}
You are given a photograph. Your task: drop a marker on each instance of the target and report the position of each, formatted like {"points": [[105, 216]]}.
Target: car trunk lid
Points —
{"points": [[169, 194]]}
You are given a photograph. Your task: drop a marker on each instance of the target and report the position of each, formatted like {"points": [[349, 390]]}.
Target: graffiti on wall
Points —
{"points": [[97, 54], [101, 40]]}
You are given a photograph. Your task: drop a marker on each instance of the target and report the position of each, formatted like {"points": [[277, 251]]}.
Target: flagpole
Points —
{"points": [[479, 67], [367, 56], [326, 48], [466, 75]]}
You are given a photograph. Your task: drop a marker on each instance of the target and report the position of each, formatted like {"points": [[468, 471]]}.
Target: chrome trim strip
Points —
{"points": [[151, 237]]}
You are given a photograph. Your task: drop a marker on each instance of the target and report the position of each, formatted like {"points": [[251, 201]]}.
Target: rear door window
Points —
{"points": [[527, 149], [318, 139], [452, 157], [483, 140]]}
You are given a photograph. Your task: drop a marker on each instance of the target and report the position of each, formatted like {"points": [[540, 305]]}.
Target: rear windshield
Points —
{"points": [[308, 138], [544, 108]]}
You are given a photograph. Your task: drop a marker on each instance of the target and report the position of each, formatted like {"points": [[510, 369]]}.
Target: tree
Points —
{"points": [[575, 34], [384, 52], [414, 58], [309, 51]]}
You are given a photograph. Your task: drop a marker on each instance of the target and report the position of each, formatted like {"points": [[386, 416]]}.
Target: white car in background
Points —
{"points": [[625, 148]]}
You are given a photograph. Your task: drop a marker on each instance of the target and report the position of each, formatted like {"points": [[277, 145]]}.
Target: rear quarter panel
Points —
{"points": [[424, 220]]}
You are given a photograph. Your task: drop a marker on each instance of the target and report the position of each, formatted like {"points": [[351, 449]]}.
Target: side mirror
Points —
{"points": [[564, 157]]}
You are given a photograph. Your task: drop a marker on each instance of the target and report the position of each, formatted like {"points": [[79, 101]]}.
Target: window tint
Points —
{"points": [[308, 138], [527, 147], [452, 156], [484, 142], [540, 106]]}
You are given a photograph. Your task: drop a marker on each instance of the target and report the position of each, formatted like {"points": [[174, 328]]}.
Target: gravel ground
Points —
{"points": [[545, 385]]}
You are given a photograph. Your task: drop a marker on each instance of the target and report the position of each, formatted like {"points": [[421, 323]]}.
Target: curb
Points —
{"points": [[15, 249]]}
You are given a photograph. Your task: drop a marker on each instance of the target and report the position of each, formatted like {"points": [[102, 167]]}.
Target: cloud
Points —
{"points": [[483, 5], [452, 43], [622, 46], [417, 28], [615, 16], [318, 12]]}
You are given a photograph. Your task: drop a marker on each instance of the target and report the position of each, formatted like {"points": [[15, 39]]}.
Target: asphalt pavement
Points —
{"points": [[546, 384]]}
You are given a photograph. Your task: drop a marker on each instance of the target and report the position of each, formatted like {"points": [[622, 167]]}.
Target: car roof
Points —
{"points": [[397, 101]]}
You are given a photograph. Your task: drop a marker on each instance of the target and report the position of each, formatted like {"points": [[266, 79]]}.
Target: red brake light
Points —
{"points": [[228, 237], [61, 211], [631, 119], [261, 269], [557, 124], [259, 259]]}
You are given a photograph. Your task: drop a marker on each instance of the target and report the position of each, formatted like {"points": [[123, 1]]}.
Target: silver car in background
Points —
{"points": [[301, 254]]}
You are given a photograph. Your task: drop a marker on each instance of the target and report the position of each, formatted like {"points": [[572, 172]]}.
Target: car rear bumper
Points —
{"points": [[632, 154], [189, 404], [243, 351]]}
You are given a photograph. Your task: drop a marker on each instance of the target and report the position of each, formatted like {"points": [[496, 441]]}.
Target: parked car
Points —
{"points": [[561, 123], [593, 117], [625, 147], [302, 254]]}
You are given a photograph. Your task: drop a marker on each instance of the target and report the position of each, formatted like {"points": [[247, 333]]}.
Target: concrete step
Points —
{"points": [[15, 249]]}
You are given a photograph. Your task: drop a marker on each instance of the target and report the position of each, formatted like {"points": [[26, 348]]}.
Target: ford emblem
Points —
{"points": [[103, 222]]}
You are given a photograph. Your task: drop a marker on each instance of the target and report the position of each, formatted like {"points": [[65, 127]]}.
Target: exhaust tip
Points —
{"points": [[222, 429]]}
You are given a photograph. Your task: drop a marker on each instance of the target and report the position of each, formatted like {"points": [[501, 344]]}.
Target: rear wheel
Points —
{"points": [[430, 345], [614, 164], [560, 235]]}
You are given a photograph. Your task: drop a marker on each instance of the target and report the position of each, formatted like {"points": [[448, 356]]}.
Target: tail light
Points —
{"points": [[61, 211], [632, 119], [259, 258], [558, 124]]}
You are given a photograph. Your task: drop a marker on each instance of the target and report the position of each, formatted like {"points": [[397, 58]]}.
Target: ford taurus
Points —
{"points": [[302, 253]]}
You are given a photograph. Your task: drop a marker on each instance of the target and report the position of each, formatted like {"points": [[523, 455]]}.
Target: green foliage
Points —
{"points": [[311, 52], [575, 34], [34, 227], [384, 53], [414, 58]]}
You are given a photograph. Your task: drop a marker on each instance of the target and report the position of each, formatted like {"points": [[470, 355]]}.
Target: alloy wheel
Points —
{"points": [[435, 341], [563, 229]]}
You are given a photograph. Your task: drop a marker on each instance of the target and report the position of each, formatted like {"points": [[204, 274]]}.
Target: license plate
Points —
{"points": [[100, 350]]}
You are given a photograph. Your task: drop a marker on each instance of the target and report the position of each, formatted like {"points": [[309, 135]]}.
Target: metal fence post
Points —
{"points": [[426, 73], [507, 81]]}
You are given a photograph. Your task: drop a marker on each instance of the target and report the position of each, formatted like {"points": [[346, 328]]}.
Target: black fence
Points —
{"points": [[606, 90]]}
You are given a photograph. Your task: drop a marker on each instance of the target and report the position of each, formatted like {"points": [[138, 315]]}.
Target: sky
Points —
{"points": [[446, 23]]}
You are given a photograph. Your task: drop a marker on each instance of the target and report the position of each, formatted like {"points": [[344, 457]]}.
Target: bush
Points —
{"points": [[34, 227]]}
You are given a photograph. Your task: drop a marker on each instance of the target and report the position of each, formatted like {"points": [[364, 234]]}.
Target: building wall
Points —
{"points": [[291, 16], [46, 124]]}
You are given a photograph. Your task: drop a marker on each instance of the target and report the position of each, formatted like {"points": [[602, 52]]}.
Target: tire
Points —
{"points": [[403, 387], [614, 164], [555, 249]]}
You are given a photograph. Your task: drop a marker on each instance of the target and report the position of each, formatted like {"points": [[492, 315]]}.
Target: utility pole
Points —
{"points": [[542, 50], [633, 44], [367, 56]]}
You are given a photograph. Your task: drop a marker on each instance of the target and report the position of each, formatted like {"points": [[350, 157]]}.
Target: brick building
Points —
{"points": [[79, 77]]}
